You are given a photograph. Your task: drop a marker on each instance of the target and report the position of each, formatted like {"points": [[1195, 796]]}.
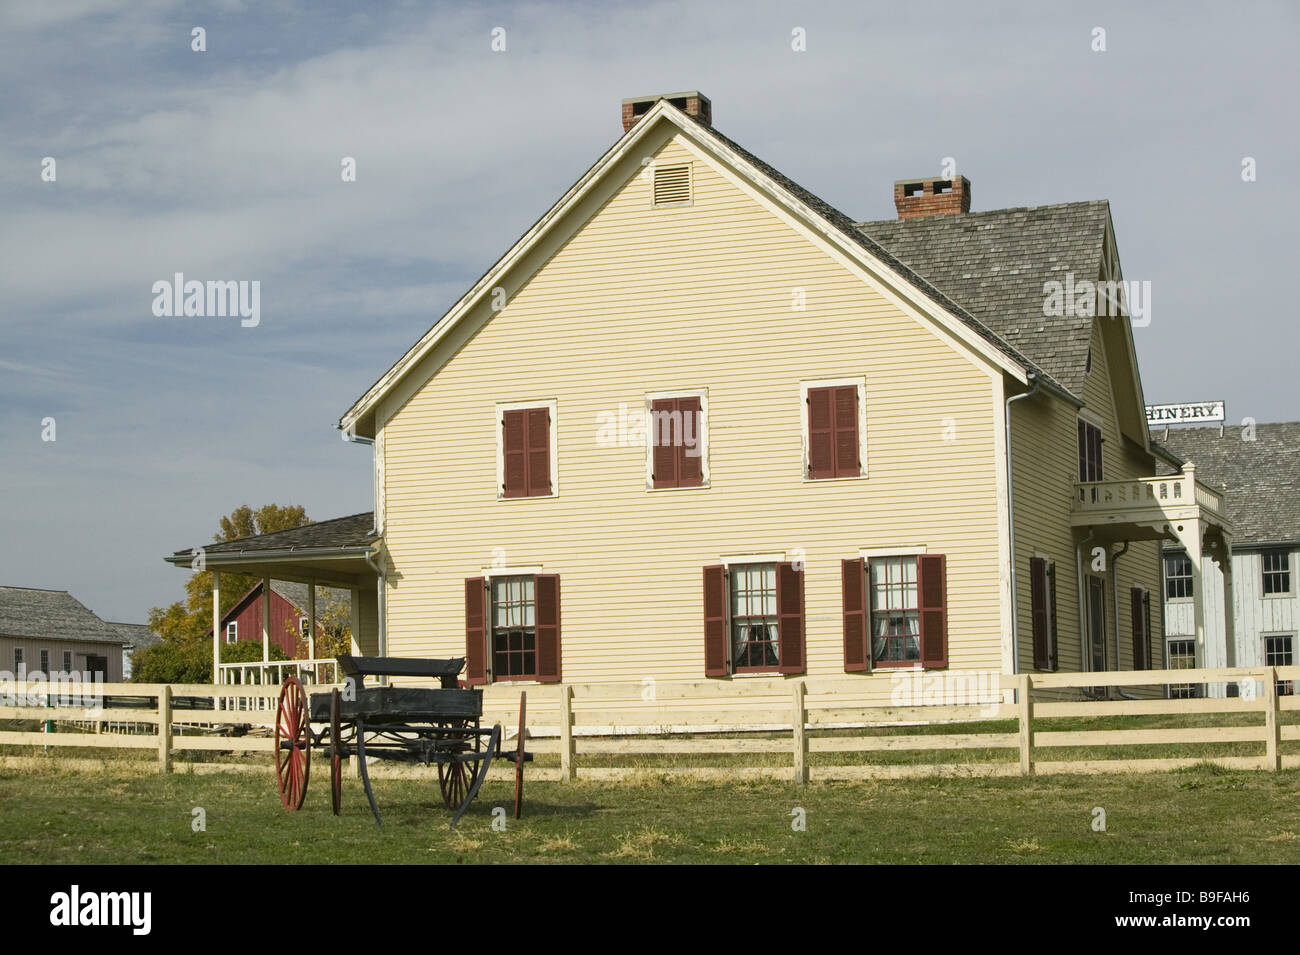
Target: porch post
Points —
{"points": [[216, 627], [356, 620], [1192, 541], [1229, 615], [311, 620], [266, 619]]}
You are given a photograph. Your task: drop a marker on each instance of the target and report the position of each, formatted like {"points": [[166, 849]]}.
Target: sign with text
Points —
{"points": [[1192, 412]]}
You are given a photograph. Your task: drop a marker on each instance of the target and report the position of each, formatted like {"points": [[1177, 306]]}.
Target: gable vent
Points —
{"points": [[672, 185]]}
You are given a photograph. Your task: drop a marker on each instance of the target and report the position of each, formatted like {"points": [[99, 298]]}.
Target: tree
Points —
{"points": [[334, 630], [184, 625]]}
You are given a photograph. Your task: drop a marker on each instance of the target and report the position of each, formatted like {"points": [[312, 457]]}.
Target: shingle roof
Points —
{"points": [[1261, 477], [296, 594], [915, 274], [52, 615], [138, 635], [355, 530], [996, 263]]}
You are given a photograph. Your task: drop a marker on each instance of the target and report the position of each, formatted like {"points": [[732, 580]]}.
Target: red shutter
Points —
{"points": [[690, 460], [539, 452], [789, 618], [1139, 629], [715, 621], [846, 432], [514, 452], [1038, 610], [853, 588], [546, 609], [475, 631], [661, 440], [1051, 618], [821, 434], [932, 604]]}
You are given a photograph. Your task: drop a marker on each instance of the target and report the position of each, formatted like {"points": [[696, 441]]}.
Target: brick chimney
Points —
{"points": [[914, 198], [692, 103]]}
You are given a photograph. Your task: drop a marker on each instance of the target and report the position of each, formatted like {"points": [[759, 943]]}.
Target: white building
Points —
{"points": [[1259, 469]]}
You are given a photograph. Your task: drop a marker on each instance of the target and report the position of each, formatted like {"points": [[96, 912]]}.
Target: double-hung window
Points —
{"points": [[755, 643], [1089, 451], [512, 628], [1178, 576], [895, 616], [753, 617], [1277, 571], [232, 631]]}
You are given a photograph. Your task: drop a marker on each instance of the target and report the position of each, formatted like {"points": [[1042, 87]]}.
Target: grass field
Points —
{"points": [[53, 814]]}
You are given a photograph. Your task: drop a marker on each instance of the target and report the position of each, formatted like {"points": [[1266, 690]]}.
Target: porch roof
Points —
{"points": [[327, 552]]}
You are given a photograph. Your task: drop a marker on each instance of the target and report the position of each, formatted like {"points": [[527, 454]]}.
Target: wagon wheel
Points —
{"points": [[519, 760], [292, 743], [454, 778], [336, 753]]}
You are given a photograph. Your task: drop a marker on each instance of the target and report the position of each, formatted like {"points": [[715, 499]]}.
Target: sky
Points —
{"points": [[225, 164]]}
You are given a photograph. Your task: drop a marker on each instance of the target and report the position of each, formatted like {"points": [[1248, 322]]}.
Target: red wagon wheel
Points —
{"points": [[292, 743], [519, 759], [336, 753], [454, 778]]}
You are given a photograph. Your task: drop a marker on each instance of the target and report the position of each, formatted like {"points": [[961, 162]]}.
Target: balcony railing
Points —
{"points": [[1111, 499]]}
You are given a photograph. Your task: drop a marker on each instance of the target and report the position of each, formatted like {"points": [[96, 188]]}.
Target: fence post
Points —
{"points": [[1272, 728], [799, 724], [1026, 715], [568, 771], [165, 728]]}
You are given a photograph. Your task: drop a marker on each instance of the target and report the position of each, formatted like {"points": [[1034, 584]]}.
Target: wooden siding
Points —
{"points": [[248, 615], [1045, 465], [697, 296], [32, 648]]}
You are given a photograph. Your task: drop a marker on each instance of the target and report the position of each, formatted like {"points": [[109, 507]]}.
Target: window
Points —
{"points": [[18, 659], [512, 627], [672, 185], [895, 610], [834, 428], [895, 617], [1277, 572], [1182, 656], [45, 662], [232, 631], [676, 445], [1178, 576], [1277, 653], [67, 661], [1042, 611], [1140, 614], [753, 618], [755, 644], [526, 450], [1089, 451], [303, 628]]}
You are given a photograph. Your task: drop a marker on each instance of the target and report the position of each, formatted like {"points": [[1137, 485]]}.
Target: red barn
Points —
{"points": [[243, 621]]}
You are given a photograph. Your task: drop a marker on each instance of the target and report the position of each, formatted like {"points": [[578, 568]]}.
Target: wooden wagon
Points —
{"points": [[439, 726]]}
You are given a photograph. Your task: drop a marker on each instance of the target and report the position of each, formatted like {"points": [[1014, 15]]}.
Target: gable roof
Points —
{"points": [[839, 228], [137, 635], [52, 615], [1261, 477], [995, 264]]}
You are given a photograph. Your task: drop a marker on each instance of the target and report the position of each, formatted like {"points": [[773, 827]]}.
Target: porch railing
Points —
{"points": [[272, 673], [1155, 493]]}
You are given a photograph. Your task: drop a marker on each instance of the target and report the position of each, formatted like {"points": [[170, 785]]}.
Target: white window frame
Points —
{"points": [[703, 437], [552, 407], [1165, 578], [304, 625], [860, 382], [232, 628], [1264, 572]]}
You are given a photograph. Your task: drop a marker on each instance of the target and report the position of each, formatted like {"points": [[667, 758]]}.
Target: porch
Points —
{"points": [[342, 553], [1175, 507]]}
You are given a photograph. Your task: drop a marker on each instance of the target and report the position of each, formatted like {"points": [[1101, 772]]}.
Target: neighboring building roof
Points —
{"points": [[297, 594], [353, 531], [1261, 478], [996, 263], [52, 615], [137, 635]]}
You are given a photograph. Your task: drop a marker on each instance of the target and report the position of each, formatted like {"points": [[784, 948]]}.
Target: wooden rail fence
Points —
{"points": [[590, 728]]}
